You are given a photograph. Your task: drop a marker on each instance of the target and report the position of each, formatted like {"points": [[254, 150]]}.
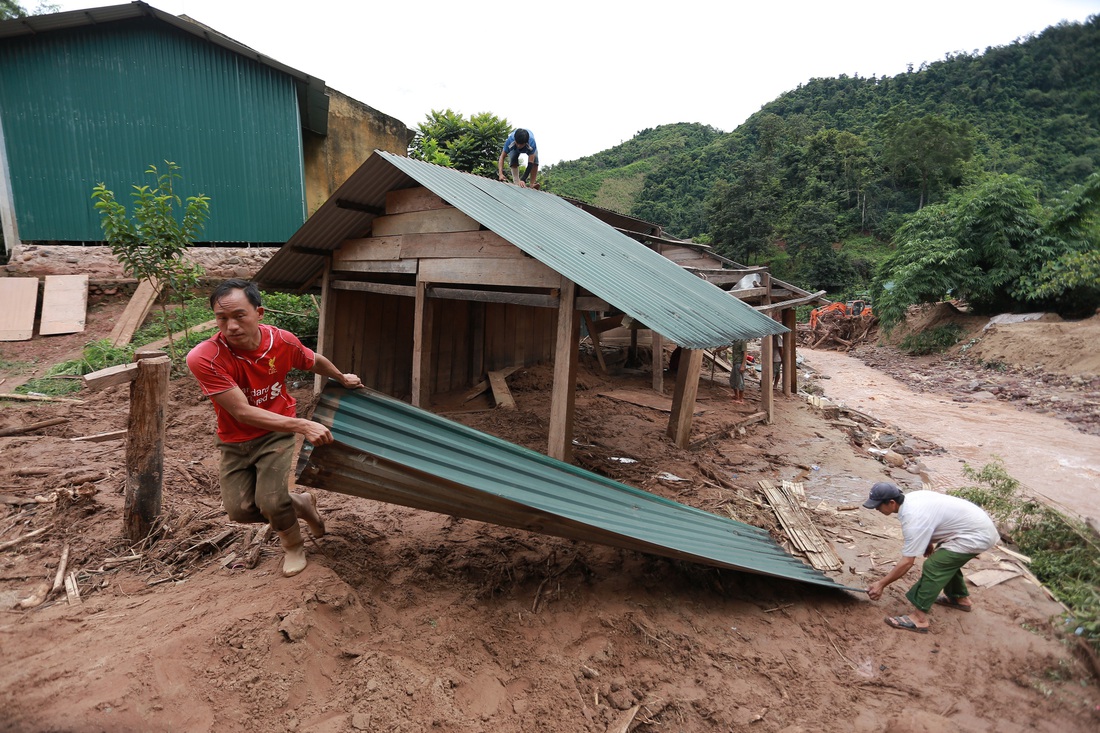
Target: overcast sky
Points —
{"points": [[585, 76]]}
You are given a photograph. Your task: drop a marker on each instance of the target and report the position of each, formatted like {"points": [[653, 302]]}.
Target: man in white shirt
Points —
{"points": [[949, 532]]}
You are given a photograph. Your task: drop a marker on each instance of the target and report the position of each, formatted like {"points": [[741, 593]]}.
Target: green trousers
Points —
{"points": [[942, 572]]}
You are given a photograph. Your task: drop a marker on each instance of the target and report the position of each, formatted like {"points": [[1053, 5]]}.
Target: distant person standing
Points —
{"points": [[520, 142], [949, 532]]}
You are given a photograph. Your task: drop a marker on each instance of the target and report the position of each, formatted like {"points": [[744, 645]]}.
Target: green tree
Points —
{"points": [[983, 245], [151, 245], [472, 145], [10, 9], [930, 149]]}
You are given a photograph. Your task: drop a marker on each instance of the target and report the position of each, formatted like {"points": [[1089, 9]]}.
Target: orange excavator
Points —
{"points": [[853, 308]]}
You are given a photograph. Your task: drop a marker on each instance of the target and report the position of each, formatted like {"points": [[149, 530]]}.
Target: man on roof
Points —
{"points": [[242, 369], [949, 532], [520, 142]]}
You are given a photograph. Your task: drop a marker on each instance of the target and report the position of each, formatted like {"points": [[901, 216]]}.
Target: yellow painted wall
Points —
{"points": [[354, 131]]}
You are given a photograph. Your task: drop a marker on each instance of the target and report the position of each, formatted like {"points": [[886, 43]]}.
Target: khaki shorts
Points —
{"points": [[254, 480]]}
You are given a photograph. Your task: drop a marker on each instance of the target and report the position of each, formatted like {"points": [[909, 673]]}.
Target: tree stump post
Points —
{"points": [[145, 444]]}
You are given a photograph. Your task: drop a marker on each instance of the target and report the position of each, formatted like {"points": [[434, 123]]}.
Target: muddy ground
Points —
{"points": [[410, 621]]}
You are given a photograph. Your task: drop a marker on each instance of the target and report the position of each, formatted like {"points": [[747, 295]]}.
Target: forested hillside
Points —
{"points": [[848, 160]]}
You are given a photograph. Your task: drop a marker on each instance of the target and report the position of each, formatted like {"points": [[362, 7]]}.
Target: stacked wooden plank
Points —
{"points": [[788, 502]]}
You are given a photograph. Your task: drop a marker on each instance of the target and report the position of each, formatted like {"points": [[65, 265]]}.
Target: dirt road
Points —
{"points": [[1047, 456]]}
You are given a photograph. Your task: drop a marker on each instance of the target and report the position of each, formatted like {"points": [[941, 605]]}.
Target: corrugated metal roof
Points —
{"points": [[393, 452], [655, 291]]}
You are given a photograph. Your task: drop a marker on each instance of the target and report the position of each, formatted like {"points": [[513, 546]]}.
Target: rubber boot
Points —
{"points": [[305, 506], [294, 550]]}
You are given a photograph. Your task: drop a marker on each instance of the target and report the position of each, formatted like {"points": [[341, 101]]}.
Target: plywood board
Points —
{"points": [[644, 398], [64, 304], [18, 301]]}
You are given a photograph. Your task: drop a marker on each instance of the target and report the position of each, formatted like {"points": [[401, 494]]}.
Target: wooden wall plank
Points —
{"points": [[529, 273], [64, 304], [416, 222], [419, 198], [398, 267], [18, 302], [439, 244]]}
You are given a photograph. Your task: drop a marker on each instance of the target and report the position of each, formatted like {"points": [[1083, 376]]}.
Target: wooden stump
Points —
{"points": [[145, 446]]}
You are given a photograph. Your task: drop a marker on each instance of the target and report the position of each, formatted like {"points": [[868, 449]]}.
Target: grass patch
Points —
{"points": [[1065, 555], [933, 341], [295, 313]]}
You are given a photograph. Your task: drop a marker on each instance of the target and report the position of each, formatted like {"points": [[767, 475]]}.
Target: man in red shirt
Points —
{"points": [[242, 369]]}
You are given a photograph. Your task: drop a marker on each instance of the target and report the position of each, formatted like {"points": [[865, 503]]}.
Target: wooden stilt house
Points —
{"points": [[431, 278]]}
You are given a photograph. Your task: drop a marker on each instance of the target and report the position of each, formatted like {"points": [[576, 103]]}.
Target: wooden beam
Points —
{"points": [[145, 447], [137, 310], [767, 369], [109, 377], [538, 300], [405, 291], [393, 267], [565, 375], [606, 324], [422, 348], [789, 303], [683, 398]]}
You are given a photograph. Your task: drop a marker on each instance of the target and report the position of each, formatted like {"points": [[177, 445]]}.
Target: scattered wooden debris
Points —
{"points": [[501, 394], [6, 432], [787, 501], [100, 437], [109, 377], [38, 398], [24, 538]]}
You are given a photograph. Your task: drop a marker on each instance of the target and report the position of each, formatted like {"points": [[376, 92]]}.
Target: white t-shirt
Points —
{"points": [[954, 523]]}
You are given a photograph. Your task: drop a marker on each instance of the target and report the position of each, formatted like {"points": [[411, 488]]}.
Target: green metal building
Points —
{"points": [[99, 95]]}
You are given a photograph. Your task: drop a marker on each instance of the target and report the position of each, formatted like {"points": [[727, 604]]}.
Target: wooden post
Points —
{"points": [[145, 444], [657, 345], [565, 375], [422, 347], [326, 324], [595, 336], [767, 365], [790, 372], [683, 398]]}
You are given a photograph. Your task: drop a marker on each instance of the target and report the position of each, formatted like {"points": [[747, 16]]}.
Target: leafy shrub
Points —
{"points": [[1064, 555], [933, 341]]}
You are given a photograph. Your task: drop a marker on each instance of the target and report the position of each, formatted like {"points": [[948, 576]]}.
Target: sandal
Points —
{"points": [[946, 600], [906, 623]]}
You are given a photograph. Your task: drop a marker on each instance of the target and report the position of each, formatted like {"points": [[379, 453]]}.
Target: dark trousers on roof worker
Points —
{"points": [[520, 142]]}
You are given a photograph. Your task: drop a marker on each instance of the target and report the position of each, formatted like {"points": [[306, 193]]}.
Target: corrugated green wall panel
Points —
{"points": [[103, 103]]}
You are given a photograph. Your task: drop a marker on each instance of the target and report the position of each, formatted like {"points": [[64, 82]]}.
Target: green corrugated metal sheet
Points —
{"points": [[390, 451], [665, 297], [102, 102]]}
